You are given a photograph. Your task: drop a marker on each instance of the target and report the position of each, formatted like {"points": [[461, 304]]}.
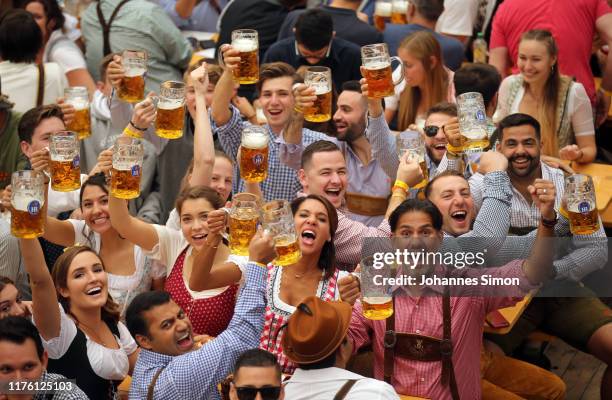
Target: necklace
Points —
{"points": [[95, 334]]}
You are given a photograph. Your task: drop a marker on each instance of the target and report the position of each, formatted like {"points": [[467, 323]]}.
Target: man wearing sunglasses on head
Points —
{"points": [[257, 372]]}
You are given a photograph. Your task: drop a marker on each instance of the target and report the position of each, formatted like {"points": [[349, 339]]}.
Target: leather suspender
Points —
{"points": [[106, 26], [151, 387], [422, 348], [345, 389], [40, 95]]}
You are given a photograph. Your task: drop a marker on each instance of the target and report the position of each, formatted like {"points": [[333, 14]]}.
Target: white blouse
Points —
{"points": [[111, 364], [578, 106]]}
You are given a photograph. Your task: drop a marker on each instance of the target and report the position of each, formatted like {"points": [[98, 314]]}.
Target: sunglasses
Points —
{"points": [[267, 393], [432, 130]]}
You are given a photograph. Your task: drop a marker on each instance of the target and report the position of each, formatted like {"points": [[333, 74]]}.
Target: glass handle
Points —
{"points": [[401, 63], [220, 57]]}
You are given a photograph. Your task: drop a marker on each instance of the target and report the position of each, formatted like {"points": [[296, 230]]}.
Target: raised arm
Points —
{"points": [[44, 297], [134, 230], [203, 143], [224, 90]]}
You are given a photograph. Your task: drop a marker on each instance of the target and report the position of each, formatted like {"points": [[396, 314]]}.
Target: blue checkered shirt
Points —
{"points": [[195, 375], [282, 181]]}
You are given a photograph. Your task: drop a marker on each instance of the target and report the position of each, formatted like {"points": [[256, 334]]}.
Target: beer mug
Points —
{"points": [[376, 292], [243, 219], [382, 14], [399, 11], [277, 220], [472, 123], [413, 143], [319, 78], [379, 76], [246, 41], [27, 201], [78, 97], [581, 204], [132, 87], [65, 161], [127, 168], [254, 154], [170, 110]]}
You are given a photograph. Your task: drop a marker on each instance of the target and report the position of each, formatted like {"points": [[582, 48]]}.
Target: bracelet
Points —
{"points": [[549, 223], [399, 188], [135, 127], [132, 133], [401, 184], [258, 264]]}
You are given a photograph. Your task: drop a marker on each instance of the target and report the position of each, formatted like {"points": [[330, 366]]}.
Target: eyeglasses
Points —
{"points": [[432, 130], [267, 393]]}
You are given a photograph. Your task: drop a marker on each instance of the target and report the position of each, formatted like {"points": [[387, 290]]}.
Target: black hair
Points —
{"points": [[412, 205], [517, 119], [477, 77], [351, 86], [327, 362], [134, 318], [429, 9], [314, 29], [20, 37], [17, 330], [257, 358], [53, 12]]}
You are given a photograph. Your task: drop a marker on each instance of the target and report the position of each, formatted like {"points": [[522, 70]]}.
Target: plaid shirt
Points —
{"points": [[75, 393], [195, 375], [282, 181]]}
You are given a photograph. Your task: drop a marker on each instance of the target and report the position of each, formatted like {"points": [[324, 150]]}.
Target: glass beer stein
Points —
{"points": [[581, 204], [319, 78], [132, 87], [170, 110], [376, 297], [254, 154], [65, 161], [382, 14], [412, 142], [472, 123], [243, 219], [378, 73], [277, 219], [127, 168], [399, 11], [27, 201], [78, 97], [246, 41]]}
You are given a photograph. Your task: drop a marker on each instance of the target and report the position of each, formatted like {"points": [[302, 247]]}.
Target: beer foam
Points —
{"points": [[244, 45], [21, 202], [376, 65], [123, 165], [131, 72], [383, 9], [167, 104], [400, 6], [320, 87], [255, 141], [79, 104]]}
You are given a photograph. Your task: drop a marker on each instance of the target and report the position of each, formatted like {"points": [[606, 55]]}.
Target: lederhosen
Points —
{"points": [[422, 348], [106, 26], [75, 365]]}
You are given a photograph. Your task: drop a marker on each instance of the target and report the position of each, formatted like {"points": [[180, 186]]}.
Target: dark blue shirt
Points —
{"points": [[344, 59], [453, 51]]}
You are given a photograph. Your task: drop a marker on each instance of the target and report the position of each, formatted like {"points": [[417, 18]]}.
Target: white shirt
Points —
{"points": [[170, 246], [458, 17], [323, 384], [60, 49], [106, 363], [64, 201], [20, 84]]}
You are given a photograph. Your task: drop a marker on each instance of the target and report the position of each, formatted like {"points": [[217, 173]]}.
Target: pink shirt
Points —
{"points": [[423, 316], [572, 23]]}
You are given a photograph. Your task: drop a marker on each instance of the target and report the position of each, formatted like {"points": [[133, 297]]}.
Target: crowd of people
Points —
{"points": [[231, 258]]}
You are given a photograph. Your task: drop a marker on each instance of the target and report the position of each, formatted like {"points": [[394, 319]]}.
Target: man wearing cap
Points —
{"points": [[316, 339]]}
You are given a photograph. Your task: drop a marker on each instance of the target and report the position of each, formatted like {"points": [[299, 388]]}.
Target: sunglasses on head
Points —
{"points": [[432, 130], [267, 393]]}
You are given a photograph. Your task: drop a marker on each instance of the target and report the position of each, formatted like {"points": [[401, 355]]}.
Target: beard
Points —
{"points": [[352, 133], [533, 164]]}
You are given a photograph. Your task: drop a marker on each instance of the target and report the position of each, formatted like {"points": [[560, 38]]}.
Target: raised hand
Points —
{"points": [[144, 113], [68, 110], [216, 222], [543, 196], [231, 57], [491, 161], [571, 152], [304, 96], [261, 248], [409, 170], [199, 77], [115, 71], [349, 289], [40, 160], [105, 161]]}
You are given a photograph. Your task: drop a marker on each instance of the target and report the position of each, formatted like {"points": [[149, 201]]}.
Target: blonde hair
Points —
{"points": [[423, 45]]}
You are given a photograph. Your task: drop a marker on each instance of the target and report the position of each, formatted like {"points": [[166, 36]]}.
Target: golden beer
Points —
{"points": [[132, 87], [321, 110], [584, 223], [242, 227], [380, 22], [247, 43], [398, 12], [27, 226], [169, 121], [81, 124], [380, 80], [253, 163], [398, 18], [382, 14], [287, 249], [27, 203], [377, 308], [65, 175], [125, 183]]}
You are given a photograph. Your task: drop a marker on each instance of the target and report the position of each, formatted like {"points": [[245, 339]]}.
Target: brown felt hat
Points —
{"points": [[316, 329]]}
